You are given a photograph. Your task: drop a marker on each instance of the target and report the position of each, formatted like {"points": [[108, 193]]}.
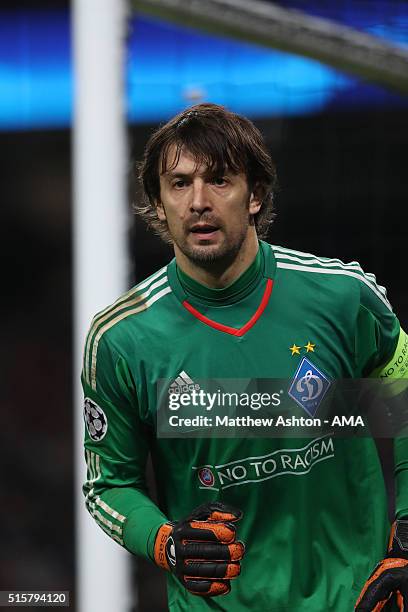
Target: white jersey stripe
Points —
{"points": [[94, 467], [119, 302], [106, 522], [303, 254], [135, 289], [94, 472], [149, 280], [106, 530], [94, 475], [110, 527], [117, 319], [363, 279], [112, 311], [109, 510], [331, 263], [312, 259], [90, 462]]}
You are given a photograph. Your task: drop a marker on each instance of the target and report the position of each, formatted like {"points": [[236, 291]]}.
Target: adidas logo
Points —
{"points": [[183, 384]]}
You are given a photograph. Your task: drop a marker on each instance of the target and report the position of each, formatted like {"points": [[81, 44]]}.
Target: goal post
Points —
{"points": [[100, 258]]}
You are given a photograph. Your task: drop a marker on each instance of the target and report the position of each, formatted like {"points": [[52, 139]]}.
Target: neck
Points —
{"points": [[221, 273]]}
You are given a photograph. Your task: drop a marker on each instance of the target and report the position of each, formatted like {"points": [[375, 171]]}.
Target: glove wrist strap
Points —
{"points": [[160, 546]]}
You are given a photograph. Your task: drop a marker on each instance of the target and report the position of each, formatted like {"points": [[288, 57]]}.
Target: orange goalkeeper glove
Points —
{"points": [[202, 550], [390, 577]]}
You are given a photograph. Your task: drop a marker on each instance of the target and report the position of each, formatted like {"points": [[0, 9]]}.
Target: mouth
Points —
{"points": [[204, 231]]}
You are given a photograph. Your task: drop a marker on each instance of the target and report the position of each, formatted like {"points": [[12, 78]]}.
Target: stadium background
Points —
{"points": [[340, 148]]}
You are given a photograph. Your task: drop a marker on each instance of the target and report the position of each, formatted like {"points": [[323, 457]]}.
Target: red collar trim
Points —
{"points": [[232, 330]]}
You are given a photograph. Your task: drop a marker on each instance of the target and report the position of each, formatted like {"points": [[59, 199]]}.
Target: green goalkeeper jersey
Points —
{"points": [[315, 510]]}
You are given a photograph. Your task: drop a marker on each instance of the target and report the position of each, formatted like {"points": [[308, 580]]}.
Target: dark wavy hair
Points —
{"points": [[220, 140]]}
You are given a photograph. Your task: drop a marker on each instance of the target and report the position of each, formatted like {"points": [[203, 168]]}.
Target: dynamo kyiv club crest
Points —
{"points": [[309, 386]]}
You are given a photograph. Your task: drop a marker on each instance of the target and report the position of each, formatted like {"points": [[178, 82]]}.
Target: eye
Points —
{"points": [[179, 184], [219, 181]]}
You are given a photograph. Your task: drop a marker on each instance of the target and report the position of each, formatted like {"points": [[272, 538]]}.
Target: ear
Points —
{"points": [[160, 211], [255, 202]]}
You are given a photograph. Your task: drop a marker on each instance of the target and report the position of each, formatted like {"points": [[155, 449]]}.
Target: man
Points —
{"points": [[312, 512]]}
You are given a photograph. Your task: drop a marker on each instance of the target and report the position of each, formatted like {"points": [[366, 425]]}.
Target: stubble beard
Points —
{"points": [[213, 256]]}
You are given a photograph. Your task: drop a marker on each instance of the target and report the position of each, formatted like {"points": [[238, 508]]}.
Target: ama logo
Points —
{"points": [[309, 386], [206, 477]]}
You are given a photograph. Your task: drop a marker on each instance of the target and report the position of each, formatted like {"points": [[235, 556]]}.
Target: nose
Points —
{"points": [[200, 197]]}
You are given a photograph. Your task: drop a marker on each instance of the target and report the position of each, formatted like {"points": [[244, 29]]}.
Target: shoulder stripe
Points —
{"points": [[123, 299], [318, 260], [305, 255], [282, 249], [153, 277], [333, 263], [144, 306], [309, 258], [342, 272], [132, 291], [110, 312]]}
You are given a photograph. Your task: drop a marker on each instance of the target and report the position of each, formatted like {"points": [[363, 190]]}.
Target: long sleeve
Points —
{"points": [[396, 371], [382, 352], [116, 449]]}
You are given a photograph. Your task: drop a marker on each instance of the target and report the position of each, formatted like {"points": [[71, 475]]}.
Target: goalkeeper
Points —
{"points": [[259, 524]]}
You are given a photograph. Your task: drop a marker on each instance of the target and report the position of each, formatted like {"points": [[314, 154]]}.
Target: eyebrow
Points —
{"points": [[207, 173], [177, 174]]}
